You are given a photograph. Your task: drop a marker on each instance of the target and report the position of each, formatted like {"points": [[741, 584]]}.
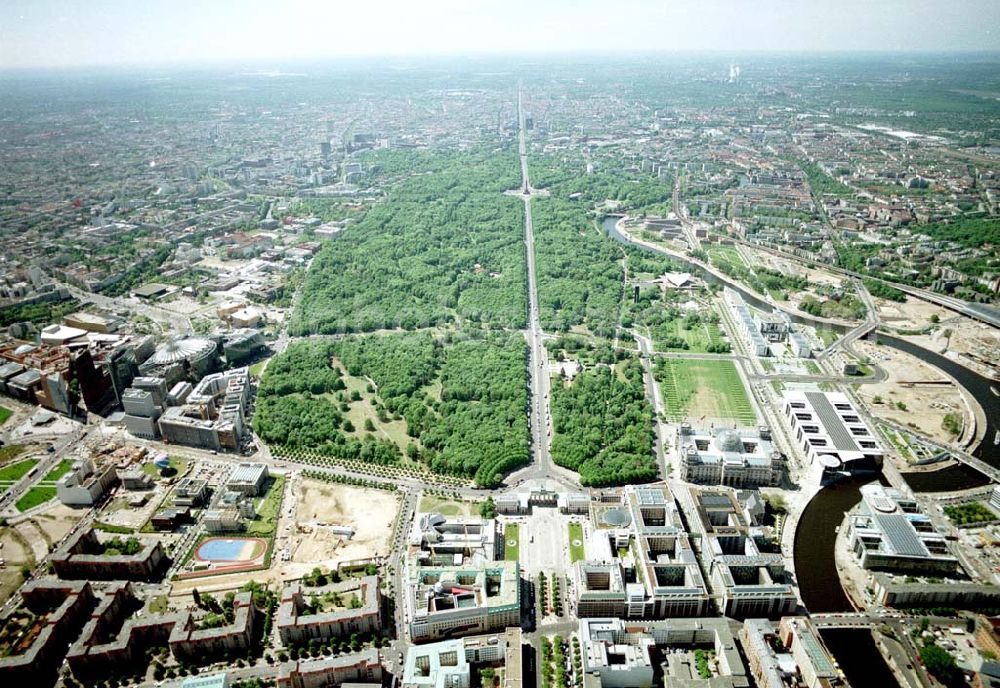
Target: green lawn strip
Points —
{"points": [[16, 471], [189, 555], [511, 542], [576, 551], [35, 496], [112, 528], [5, 413], [267, 511], [61, 469]]}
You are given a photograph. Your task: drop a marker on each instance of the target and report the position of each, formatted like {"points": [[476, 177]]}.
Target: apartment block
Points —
{"points": [[296, 626], [356, 668], [83, 556], [115, 638], [53, 614]]}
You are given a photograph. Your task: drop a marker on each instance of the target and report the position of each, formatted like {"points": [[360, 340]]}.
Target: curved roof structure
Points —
{"points": [[729, 441], [178, 350]]}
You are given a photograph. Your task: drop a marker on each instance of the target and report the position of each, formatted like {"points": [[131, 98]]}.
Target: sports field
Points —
{"points": [[225, 550], [703, 390]]}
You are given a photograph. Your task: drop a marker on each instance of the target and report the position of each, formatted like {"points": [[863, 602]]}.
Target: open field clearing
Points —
{"points": [[704, 390]]}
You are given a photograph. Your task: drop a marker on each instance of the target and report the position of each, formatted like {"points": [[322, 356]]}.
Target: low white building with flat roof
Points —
{"points": [[619, 654], [830, 431]]}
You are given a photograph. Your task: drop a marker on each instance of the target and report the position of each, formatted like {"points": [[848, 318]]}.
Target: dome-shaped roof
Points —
{"points": [[829, 461], [616, 518], [24, 349], [188, 349], [729, 441]]}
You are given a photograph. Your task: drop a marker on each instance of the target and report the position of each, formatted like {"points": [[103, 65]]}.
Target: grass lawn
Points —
{"points": [[158, 605], [35, 496], [828, 337], [576, 551], [511, 542], [152, 471], [697, 338], [446, 507], [704, 389], [5, 413], [61, 469], [257, 368], [267, 511], [725, 254], [10, 451], [16, 471]]}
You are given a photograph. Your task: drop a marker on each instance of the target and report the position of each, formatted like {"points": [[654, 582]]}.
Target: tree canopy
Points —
{"points": [[603, 426], [445, 246]]}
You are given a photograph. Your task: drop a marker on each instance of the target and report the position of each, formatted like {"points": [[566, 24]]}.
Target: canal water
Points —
{"points": [[859, 658], [954, 477]]}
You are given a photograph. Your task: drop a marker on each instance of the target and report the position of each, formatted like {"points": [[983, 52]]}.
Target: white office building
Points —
{"points": [[830, 431]]}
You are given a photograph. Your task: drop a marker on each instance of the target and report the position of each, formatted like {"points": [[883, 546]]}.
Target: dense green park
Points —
{"points": [[603, 425], [463, 398], [579, 270], [445, 246]]}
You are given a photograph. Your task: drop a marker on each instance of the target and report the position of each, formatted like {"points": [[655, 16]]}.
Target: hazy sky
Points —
{"points": [[90, 32]]}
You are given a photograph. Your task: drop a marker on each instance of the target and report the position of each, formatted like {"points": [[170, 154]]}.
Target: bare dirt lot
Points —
{"points": [[912, 314], [118, 512], [320, 505], [924, 406], [814, 275], [29, 541]]}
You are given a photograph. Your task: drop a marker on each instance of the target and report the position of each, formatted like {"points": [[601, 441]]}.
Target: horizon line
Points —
{"points": [[474, 56]]}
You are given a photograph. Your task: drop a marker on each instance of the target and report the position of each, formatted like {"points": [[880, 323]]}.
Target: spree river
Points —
{"points": [[815, 567]]}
